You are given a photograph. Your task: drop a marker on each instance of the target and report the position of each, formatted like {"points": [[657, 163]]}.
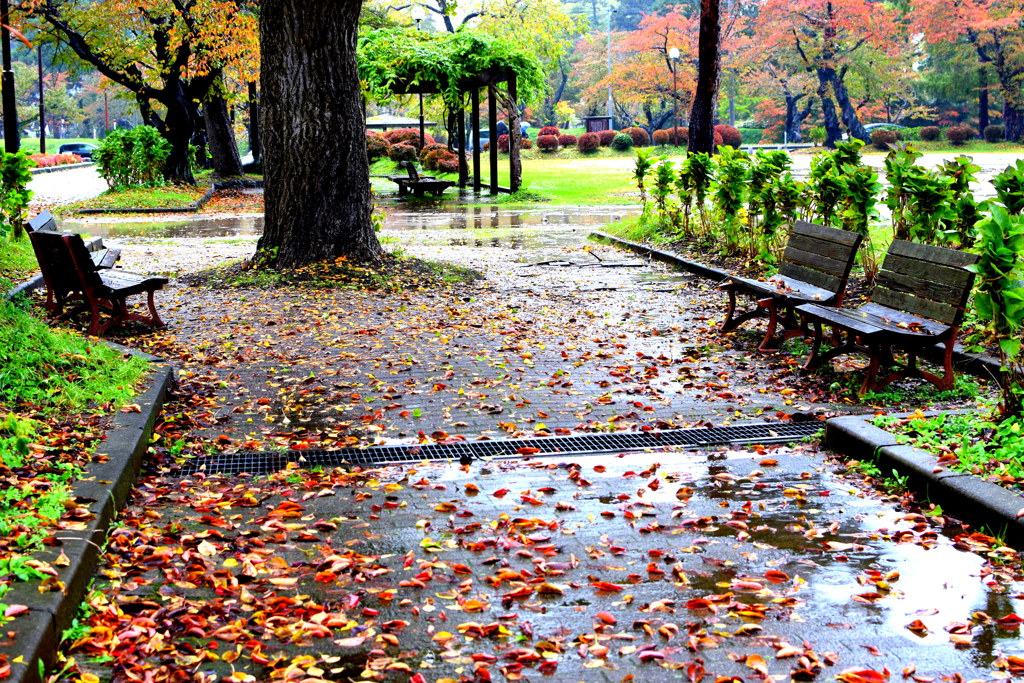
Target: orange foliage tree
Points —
{"points": [[828, 40], [995, 31], [170, 54]]}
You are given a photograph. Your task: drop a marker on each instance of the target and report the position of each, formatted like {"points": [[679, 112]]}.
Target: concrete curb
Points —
{"points": [[976, 364], [62, 167], [102, 489], [965, 496]]}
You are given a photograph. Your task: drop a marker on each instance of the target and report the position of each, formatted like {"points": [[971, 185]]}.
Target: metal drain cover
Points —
{"points": [[271, 461]]}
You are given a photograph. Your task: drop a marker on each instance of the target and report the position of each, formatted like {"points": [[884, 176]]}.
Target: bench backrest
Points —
{"points": [[42, 221], [413, 173], [55, 262], [820, 255], [85, 268], [925, 280]]}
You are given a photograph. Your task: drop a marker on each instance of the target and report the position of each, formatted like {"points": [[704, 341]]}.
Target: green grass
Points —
{"points": [[164, 197], [17, 262], [52, 369]]}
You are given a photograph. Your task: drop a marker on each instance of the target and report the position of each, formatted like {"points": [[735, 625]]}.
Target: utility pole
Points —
{"points": [[610, 110], [42, 106], [12, 139]]}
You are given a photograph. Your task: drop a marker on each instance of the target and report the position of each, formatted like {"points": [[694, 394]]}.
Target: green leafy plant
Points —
{"points": [[640, 170], [694, 183], [1000, 299], [14, 192], [824, 188], [130, 158], [729, 191], [960, 228], [1010, 188], [664, 179]]}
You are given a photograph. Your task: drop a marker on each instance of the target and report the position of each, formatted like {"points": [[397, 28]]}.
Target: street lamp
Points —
{"points": [[673, 55], [610, 114], [418, 15]]}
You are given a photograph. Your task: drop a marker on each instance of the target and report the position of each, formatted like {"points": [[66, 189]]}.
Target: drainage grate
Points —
{"points": [[255, 463]]}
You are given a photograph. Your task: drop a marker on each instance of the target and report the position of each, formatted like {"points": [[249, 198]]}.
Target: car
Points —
{"points": [[82, 149], [886, 126]]}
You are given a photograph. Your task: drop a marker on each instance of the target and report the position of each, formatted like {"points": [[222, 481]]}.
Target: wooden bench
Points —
{"points": [[418, 184], [70, 274], [100, 255], [815, 267], [917, 302]]}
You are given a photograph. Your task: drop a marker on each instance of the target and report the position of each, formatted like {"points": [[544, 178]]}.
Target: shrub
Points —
{"points": [[134, 157], [717, 139], [640, 136], [503, 143], [930, 133], [660, 137], [566, 140], [882, 138], [409, 136], [994, 133], [622, 142], [548, 130], [377, 147], [431, 160], [731, 136], [527, 143], [958, 135], [588, 143], [547, 143], [606, 137], [49, 160], [449, 165], [432, 147], [679, 136], [402, 152]]}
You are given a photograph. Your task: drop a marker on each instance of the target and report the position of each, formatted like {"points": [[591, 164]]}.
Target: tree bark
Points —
{"points": [[702, 114], [317, 179], [794, 117], [220, 136], [833, 133]]}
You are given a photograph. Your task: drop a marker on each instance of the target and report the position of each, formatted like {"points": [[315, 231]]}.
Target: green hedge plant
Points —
{"points": [[133, 158]]}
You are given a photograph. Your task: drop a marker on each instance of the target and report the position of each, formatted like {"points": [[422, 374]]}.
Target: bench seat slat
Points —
{"points": [[781, 286]]}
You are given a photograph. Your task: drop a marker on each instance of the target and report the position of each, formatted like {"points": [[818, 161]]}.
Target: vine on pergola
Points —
{"points": [[401, 56]]}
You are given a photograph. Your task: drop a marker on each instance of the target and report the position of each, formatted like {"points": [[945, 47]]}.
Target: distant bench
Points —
{"points": [[417, 184]]}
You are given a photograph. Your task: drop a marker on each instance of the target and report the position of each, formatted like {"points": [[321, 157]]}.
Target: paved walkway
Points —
{"points": [[731, 562]]}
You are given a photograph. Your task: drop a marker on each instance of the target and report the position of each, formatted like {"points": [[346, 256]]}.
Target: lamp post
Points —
{"points": [[673, 55], [610, 114], [418, 14]]}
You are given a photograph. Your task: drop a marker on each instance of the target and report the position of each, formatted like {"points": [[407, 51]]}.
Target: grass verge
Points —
{"points": [[165, 197]]}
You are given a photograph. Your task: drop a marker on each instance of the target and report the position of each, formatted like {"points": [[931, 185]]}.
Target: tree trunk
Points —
{"points": [[833, 133], [317, 178], [220, 136], [702, 115], [982, 100], [180, 123], [794, 117], [848, 111], [255, 146], [1013, 121]]}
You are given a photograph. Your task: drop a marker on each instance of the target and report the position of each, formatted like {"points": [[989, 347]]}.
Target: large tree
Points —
{"points": [[705, 99], [317, 176]]}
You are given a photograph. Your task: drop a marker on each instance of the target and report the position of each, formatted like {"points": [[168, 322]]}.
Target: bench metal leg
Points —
{"points": [[733, 321], [791, 326], [943, 382], [816, 358]]}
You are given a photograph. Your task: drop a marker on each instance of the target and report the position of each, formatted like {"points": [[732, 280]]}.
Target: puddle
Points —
{"points": [[234, 226]]}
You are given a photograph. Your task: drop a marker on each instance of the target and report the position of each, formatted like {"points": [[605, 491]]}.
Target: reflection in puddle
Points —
{"points": [[233, 226]]}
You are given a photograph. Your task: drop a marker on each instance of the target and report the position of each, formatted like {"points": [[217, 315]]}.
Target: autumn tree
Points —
{"points": [[994, 29], [169, 53], [705, 98], [317, 197], [828, 39]]}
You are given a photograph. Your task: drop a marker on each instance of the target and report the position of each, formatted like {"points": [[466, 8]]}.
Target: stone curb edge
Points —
{"points": [[102, 489], [62, 167], [974, 363], [967, 497]]}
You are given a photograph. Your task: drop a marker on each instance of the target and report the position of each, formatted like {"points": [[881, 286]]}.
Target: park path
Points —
{"points": [[65, 186], [731, 562]]}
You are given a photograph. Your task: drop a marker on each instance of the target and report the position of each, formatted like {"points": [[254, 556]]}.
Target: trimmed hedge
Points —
{"points": [[549, 130], [731, 135], [660, 138], [606, 137], [622, 142], [995, 133], [958, 135], [930, 133], [402, 152], [588, 143], [376, 146], [566, 140], [641, 138], [882, 138], [547, 143]]}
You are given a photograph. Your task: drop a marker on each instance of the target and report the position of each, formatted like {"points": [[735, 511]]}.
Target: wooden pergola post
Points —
{"points": [[474, 122], [492, 112]]}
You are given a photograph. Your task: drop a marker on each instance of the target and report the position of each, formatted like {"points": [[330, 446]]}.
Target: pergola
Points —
{"points": [[399, 61], [487, 79]]}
